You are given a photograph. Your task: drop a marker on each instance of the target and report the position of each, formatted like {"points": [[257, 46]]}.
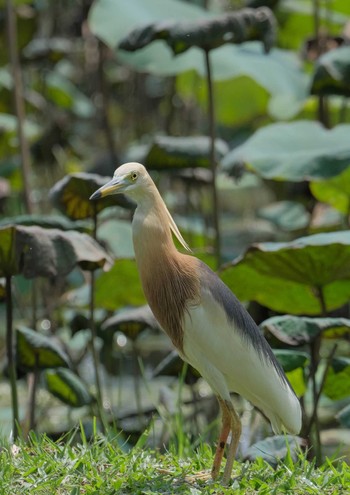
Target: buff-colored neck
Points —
{"points": [[169, 278], [153, 227]]}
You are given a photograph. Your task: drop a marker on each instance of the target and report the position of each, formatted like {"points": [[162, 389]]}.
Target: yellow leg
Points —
{"points": [[236, 429], [224, 432]]}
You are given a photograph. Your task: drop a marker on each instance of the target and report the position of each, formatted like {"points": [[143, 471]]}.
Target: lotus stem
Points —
{"points": [[315, 360], [137, 389], [18, 102], [11, 358], [34, 378], [212, 159], [94, 352], [324, 376]]}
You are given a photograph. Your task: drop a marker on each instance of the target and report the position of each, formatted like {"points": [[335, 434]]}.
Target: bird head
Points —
{"points": [[133, 180], [127, 179]]}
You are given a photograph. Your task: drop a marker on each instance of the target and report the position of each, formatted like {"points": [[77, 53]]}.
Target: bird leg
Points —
{"points": [[224, 432], [236, 430], [230, 422]]}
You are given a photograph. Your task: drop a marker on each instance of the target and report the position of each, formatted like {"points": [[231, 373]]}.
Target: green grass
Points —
{"points": [[100, 467]]}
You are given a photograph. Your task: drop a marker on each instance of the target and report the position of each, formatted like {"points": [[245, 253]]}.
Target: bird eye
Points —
{"points": [[133, 176]]}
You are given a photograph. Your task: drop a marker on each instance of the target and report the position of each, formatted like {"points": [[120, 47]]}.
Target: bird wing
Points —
{"points": [[224, 344]]}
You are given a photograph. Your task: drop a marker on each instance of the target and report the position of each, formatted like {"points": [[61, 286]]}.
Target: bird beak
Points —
{"points": [[112, 187]]}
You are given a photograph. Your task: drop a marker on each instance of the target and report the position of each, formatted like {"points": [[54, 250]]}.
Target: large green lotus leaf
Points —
{"points": [[68, 387], [71, 196], [332, 73], [337, 382], [111, 20], [33, 251], [232, 107], [284, 276], [168, 152], [279, 73], [301, 330], [34, 350], [294, 151], [334, 191], [119, 287], [231, 27]]}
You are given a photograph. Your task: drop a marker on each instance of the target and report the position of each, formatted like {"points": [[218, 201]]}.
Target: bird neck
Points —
{"points": [[169, 278], [152, 236]]}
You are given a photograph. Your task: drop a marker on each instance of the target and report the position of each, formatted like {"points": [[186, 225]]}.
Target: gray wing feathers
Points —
{"points": [[239, 316]]}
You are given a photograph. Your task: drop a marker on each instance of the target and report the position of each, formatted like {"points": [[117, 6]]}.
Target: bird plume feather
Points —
{"points": [[176, 231]]}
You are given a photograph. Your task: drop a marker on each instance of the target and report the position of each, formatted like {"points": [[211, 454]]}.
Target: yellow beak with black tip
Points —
{"points": [[114, 186]]}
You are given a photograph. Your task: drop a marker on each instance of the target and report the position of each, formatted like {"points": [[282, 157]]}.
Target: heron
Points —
{"points": [[208, 325]]}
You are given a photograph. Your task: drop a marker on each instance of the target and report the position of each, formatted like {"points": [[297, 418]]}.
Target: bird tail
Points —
{"points": [[287, 417]]}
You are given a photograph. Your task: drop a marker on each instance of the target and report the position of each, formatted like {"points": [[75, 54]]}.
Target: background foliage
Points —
{"points": [[251, 152]]}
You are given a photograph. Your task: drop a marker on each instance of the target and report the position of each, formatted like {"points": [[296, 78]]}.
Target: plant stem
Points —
{"points": [[10, 358], [320, 296], [348, 215], [94, 352], [105, 103], [34, 378], [212, 159], [18, 101], [323, 114], [137, 389], [316, 15], [315, 360], [315, 356], [324, 376]]}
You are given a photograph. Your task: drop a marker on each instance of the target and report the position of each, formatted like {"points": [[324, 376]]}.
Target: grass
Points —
{"points": [[100, 467]]}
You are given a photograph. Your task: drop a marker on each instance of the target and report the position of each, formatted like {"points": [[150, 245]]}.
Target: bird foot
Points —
{"points": [[200, 476]]}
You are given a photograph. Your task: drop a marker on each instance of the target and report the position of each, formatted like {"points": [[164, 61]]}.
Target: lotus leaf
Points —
{"points": [[288, 277], [33, 252], [207, 34], [301, 330], [168, 152], [294, 151], [68, 387], [334, 191], [332, 73], [131, 321], [37, 351], [71, 196]]}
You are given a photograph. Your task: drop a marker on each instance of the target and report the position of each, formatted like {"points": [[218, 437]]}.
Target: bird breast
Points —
{"points": [[171, 287]]}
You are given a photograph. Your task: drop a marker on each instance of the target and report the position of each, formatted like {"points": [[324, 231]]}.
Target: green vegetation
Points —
{"points": [[239, 109], [42, 466]]}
